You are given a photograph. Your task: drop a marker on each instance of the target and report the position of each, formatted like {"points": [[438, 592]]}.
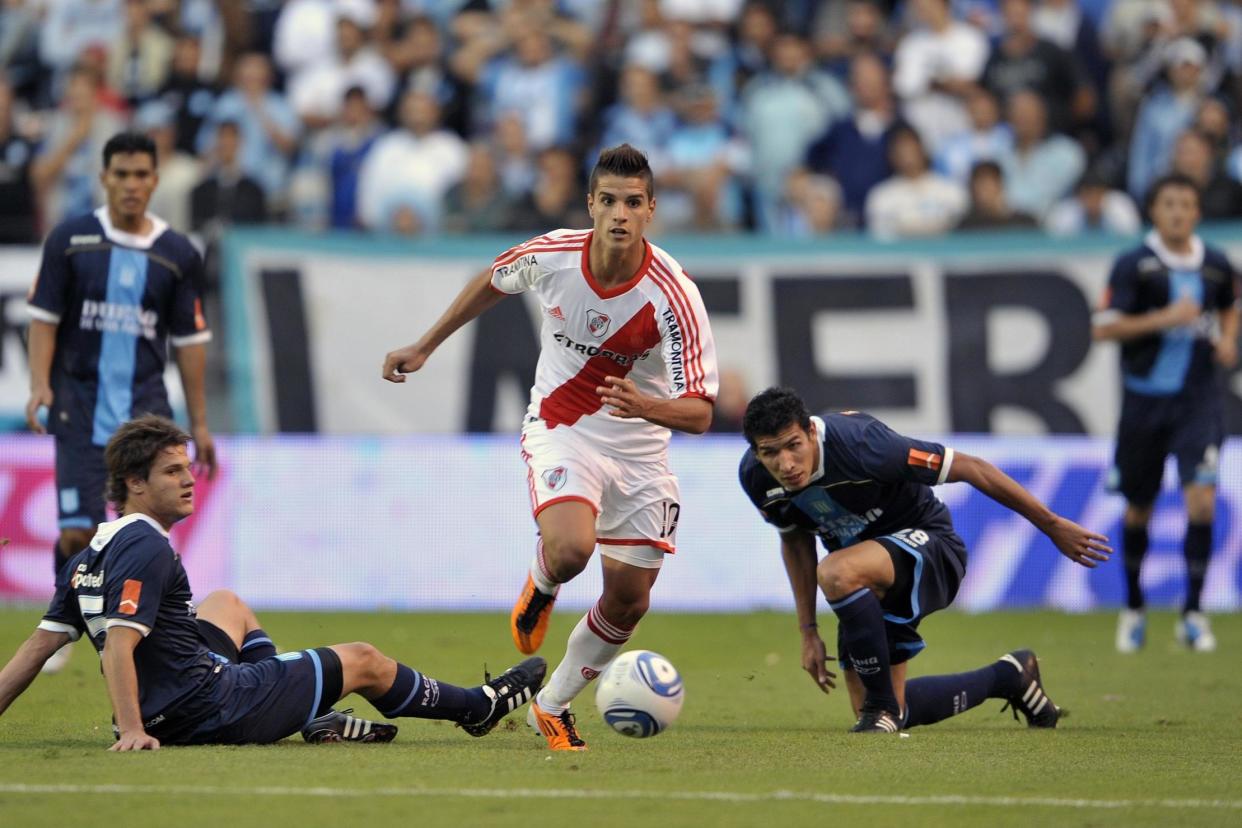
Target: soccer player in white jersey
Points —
{"points": [[627, 355]]}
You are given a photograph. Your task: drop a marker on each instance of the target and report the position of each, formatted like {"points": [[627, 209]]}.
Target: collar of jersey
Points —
{"points": [[158, 226], [609, 293], [823, 448], [1176, 261], [107, 531]]}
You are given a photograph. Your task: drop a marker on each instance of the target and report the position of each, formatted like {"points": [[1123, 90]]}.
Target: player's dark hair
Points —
{"points": [[132, 451], [1170, 180], [127, 143], [623, 161], [772, 411]]}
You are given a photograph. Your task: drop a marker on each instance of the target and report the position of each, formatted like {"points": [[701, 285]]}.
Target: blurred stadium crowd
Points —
{"points": [[798, 118]]}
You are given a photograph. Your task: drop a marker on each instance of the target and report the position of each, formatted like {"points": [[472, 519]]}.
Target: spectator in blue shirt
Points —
{"points": [[269, 127], [854, 151], [1165, 114]]}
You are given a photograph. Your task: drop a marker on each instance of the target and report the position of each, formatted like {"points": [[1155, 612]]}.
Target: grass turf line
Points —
{"points": [[1161, 725]]}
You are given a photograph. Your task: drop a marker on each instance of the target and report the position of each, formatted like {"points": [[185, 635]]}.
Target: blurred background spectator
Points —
{"points": [[915, 201], [989, 210], [757, 115]]}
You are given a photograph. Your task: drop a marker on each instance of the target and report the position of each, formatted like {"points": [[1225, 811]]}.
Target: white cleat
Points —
{"points": [[58, 661], [1131, 631], [1193, 630]]}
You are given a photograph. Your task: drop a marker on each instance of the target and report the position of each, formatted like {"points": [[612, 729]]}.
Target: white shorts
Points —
{"points": [[636, 504]]}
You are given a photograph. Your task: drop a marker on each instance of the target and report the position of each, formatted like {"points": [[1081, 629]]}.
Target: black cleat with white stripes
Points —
{"points": [[876, 720], [1031, 700], [508, 691], [339, 726]]}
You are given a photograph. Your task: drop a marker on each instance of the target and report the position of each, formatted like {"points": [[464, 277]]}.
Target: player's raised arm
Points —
{"points": [[26, 663], [477, 296], [1080, 545]]}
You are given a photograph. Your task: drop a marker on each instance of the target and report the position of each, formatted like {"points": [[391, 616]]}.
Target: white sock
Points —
{"points": [[540, 574], [592, 644]]}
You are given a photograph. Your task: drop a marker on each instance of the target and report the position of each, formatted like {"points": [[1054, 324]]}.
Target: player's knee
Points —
{"points": [[838, 578], [566, 557], [625, 610], [367, 660], [1137, 516]]}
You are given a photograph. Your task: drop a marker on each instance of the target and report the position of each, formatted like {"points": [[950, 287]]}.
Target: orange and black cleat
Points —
{"points": [[560, 730], [529, 621]]}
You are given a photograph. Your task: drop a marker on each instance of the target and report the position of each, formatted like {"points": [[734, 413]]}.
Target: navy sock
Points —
{"points": [[862, 630], [1133, 550], [1197, 548], [256, 646], [931, 699], [422, 697]]}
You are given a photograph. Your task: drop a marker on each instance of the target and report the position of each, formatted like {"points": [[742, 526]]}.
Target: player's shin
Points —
{"points": [[862, 630], [415, 695], [1134, 549], [931, 699], [541, 574], [592, 644], [1197, 548]]}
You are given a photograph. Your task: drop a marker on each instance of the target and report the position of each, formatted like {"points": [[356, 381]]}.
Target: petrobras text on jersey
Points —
{"points": [[595, 350]]}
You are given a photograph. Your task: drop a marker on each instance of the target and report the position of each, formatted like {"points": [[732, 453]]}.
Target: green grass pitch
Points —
{"points": [[1153, 739]]}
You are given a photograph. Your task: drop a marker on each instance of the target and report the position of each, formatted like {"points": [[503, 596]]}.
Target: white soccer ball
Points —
{"points": [[640, 694]]}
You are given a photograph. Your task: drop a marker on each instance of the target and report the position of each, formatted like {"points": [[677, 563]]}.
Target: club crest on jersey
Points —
{"points": [[555, 478], [597, 323]]}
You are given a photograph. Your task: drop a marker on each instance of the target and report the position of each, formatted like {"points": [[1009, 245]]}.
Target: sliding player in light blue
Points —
{"points": [[175, 680], [893, 556], [115, 288], [1172, 305]]}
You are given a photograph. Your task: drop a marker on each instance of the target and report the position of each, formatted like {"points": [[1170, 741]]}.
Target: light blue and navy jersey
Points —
{"points": [[130, 577], [1151, 277], [118, 300], [871, 481]]}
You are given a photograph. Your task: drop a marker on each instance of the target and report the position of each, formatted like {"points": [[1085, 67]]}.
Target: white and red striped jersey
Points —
{"points": [[652, 329]]}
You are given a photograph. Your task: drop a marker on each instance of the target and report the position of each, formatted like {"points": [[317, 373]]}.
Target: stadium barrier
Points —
{"points": [[966, 334], [442, 522]]}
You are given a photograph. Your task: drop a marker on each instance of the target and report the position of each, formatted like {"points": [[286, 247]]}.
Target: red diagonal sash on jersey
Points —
{"points": [[577, 398]]}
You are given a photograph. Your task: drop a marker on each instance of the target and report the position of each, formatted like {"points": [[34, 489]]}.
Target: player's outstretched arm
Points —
{"points": [[1080, 545], [1124, 326], [122, 679], [798, 552], [26, 663], [476, 297], [692, 415]]}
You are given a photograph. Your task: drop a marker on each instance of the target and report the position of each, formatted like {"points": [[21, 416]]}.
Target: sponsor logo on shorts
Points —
{"points": [[589, 674], [597, 323], [555, 478]]}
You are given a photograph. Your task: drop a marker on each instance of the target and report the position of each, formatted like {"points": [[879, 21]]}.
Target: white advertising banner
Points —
{"points": [[968, 334], [442, 522]]}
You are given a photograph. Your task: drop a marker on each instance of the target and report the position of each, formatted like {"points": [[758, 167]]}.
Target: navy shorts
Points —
{"points": [[929, 564], [218, 642], [1188, 426], [81, 477], [268, 700]]}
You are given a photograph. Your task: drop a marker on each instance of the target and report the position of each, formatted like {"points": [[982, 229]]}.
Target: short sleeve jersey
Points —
{"points": [[652, 329], [118, 300], [871, 481], [1148, 278], [130, 577]]}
